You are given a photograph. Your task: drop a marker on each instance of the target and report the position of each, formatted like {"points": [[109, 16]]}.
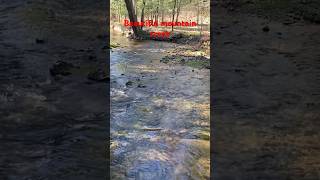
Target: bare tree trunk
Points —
{"points": [[142, 11], [173, 13], [201, 27], [198, 16], [198, 11], [119, 15], [132, 17], [134, 7], [162, 11], [178, 10], [157, 11], [151, 16]]}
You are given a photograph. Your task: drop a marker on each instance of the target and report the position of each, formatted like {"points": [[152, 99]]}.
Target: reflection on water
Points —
{"points": [[159, 115]]}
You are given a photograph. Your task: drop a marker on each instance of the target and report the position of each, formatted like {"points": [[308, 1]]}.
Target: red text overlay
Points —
{"points": [[150, 23]]}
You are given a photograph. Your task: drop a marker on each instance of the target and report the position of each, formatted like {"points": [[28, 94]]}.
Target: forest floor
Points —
{"points": [[265, 88], [53, 92]]}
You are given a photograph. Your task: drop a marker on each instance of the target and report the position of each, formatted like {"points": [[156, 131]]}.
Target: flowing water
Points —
{"points": [[159, 114]]}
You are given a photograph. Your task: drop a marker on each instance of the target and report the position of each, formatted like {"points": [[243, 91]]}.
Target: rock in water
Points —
{"points": [[40, 41], [266, 29], [61, 68], [141, 86], [129, 83], [99, 75]]}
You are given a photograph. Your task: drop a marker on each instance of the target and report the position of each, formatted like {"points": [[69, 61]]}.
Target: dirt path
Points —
{"points": [[266, 98]]}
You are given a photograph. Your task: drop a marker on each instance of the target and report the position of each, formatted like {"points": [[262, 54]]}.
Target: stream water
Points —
{"points": [[159, 114]]}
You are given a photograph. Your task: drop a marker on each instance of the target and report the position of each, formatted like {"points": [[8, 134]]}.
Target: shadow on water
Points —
{"points": [[159, 114]]}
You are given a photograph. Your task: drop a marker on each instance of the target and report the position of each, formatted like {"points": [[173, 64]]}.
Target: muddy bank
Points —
{"points": [[52, 114], [190, 50], [192, 38], [266, 98]]}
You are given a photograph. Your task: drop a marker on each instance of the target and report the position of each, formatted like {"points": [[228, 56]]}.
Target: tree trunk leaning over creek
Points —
{"points": [[173, 13], [132, 17]]}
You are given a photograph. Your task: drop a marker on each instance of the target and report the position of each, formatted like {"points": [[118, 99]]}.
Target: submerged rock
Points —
{"points": [[99, 75], [266, 29], [40, 41], [141, 86], [61, 68], [129, 83]]}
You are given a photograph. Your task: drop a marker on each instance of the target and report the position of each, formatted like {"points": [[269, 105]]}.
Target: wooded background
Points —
{"points": [[161, 10]]}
